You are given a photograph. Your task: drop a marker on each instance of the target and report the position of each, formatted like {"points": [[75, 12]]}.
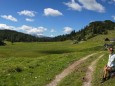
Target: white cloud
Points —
{"points": [[32, 30], [73, 5], [52, 30], [25, 29], [92, 5], [27, 13], [4, 26], [68, 30], [51, 35], [40, 34], [52, 12], [29, 20], [9, 17], [86, 4], [113, 17]]}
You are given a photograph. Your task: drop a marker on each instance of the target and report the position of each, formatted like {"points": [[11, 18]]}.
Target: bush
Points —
{"points": [[2, 43], [15, 69]]}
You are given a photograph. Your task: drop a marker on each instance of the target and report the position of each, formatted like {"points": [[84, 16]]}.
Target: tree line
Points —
{"points": [[14, 36], [89, 31]]}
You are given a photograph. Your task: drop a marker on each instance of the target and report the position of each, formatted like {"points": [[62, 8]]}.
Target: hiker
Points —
{"points": [[110, 65]]}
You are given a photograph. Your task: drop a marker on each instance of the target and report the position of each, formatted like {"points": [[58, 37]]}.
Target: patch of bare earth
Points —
{"points": [[88, 78], [68, 70]]}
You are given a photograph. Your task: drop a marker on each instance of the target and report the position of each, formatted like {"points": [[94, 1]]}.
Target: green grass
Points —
{"points": [[36, 64], [34, 71], [99, 73], [34, 49], [76, 77]]}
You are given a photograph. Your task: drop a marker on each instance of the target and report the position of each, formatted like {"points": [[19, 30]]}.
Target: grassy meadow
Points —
{"points": [[76, 77], [37, 63]]}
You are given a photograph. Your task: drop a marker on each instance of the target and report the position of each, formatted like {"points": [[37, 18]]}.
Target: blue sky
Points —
{"points": [[53, 17]]}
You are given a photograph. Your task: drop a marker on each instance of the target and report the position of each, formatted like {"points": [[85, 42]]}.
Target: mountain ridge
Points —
{"points": [[89, 31]]}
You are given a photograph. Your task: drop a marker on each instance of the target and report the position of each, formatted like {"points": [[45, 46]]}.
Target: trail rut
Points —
{"points": [[68, 70], [89, 73]]}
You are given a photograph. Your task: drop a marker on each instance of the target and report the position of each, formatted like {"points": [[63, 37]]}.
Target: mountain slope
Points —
{"points": [[15, 36], [89, 31]]}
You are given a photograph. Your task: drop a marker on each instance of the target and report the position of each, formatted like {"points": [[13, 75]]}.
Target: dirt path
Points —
{"points": [[68, 70], [89, 73]]}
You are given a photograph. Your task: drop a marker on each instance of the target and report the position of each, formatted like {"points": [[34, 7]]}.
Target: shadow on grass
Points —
{"points": [[95, 48], [56, 51]]}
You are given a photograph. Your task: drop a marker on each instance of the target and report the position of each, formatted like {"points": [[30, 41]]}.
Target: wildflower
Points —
{"points": [[36, 77]]}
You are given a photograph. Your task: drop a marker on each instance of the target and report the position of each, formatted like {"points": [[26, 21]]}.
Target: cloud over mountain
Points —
{"points": [[68, 30]]}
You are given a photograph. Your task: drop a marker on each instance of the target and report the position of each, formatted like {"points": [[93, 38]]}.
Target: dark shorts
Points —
{"points": [[113, 68]]}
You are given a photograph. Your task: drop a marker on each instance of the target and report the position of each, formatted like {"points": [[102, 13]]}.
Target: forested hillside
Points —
{"points": [[89, 31], [14, 36]]}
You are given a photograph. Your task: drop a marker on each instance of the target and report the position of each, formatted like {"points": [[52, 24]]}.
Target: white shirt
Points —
{"points": [[111, 61]]}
